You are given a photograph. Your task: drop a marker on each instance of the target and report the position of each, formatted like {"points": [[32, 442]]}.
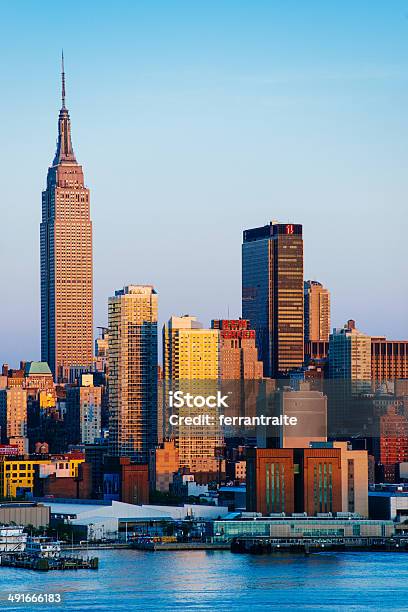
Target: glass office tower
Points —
{"points": [[272, 294]]}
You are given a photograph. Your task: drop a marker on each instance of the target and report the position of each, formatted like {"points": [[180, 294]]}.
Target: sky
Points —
{"points": [[196, 120]]}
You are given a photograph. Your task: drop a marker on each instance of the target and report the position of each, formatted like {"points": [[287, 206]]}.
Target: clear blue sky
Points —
{"points": [[195, 120]]}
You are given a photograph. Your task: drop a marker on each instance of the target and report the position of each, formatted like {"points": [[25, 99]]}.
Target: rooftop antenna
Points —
{"points": [[63, 78]]}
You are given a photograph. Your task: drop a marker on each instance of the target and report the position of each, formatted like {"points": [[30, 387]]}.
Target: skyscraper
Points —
{"points": [[238, 354], [66, 260], [350, 354], [349, 366], [191, 364], [389, 359], [241, 372], [132, 358], [190, 352], [272, 294], [317, 312]]}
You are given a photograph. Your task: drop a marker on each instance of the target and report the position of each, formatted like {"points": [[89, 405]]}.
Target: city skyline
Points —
{"points": [[203, 315], [349, 274]]}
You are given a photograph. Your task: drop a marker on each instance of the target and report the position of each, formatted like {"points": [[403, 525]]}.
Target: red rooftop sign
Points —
{"points": [[8, 449]]}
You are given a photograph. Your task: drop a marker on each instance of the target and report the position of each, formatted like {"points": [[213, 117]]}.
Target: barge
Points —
{"points": [[44, 564], [39, 553]]}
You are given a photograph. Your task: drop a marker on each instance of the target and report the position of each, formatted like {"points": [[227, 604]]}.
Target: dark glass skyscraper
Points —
{"points": [[272, 294]]}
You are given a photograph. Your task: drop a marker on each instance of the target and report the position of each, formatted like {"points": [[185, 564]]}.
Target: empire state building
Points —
{"points": [[66, 260]]}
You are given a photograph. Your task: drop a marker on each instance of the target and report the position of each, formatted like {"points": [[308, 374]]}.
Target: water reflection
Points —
{"points": [[219, 580]]}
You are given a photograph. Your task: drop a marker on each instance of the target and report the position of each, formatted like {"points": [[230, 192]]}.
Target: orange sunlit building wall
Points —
{"points": [[393, 442], [389, 359], [238, 358], [321, 470], [270, 480], [294, 480]]}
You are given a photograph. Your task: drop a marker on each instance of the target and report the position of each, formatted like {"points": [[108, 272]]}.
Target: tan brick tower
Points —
{"points": [[66, 260]]}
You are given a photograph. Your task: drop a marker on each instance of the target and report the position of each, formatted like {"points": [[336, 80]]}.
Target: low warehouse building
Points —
{"points": [[114, 520], [301, 527], [24, 513]]}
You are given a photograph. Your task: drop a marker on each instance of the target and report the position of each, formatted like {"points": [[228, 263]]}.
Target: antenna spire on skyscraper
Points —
{"points": [[63, 78], [64, 150]]}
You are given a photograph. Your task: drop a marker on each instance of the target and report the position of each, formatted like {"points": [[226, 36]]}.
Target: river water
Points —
{"points": [[219, 580]]}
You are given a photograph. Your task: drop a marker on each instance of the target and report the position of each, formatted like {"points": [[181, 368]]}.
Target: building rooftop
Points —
{"points": [[21, 504], [74, 509], [283, 520], [122, 511], [391, 493], [37, 367]]}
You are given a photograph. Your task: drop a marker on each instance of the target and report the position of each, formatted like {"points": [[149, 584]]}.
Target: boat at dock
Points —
{"points": [[166, 544], [37, 553], [43, 547], [12, 538]]}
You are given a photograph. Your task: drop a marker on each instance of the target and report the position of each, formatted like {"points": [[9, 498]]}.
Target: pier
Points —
{"points": [[44, 564], [262, 545], [175, 546]]}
